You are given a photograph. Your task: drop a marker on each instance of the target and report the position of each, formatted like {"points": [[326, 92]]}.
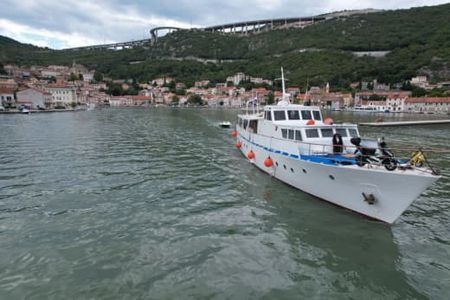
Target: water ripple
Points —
{"points": [[158, 204]]}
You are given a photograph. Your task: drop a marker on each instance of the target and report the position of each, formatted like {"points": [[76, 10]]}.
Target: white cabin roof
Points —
{"points": [[291, 107]]}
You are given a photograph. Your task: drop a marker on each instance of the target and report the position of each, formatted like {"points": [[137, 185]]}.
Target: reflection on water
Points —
{"points": [[158, 204]]}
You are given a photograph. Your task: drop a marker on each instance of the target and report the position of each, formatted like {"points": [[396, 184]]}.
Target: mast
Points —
{"points": [[285, 97]]}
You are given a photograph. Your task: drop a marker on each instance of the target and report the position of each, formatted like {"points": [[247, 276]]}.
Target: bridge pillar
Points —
{"points": [[154, 36]]}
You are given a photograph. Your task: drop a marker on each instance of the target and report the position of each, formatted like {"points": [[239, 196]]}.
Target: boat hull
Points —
{"points": [[374, 192]]}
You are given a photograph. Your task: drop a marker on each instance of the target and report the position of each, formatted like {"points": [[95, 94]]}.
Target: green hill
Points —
{"points": [[417, 41]]}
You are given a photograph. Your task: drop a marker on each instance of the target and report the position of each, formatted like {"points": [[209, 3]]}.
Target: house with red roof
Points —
{"points": [[427, 105]]}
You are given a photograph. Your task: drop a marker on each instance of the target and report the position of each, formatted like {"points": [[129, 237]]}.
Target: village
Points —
{"points": [[62, 88]]}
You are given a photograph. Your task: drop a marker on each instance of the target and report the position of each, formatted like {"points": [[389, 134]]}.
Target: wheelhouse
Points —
{"points": [[302, 125]]}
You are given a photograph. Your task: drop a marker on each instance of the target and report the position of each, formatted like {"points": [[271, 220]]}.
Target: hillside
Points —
{"points": [[417, 41]]}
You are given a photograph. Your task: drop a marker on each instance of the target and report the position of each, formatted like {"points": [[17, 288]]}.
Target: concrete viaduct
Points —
{"points": [[267, 24], [231, 28]]}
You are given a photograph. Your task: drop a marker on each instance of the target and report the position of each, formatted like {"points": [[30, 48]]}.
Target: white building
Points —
{"points": [[420, 81], [116, 101], [237, 78], [62, 94], [88, 77], [34, 98], [162, 81], [396, 104], [428, 105], [201, 83], [50, 73], [7, 97]]}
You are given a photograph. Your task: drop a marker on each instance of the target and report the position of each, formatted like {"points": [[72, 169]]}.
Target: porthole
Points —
{"points": [[304, 171], [276, 163], [331, 177], [284, 166], [292, 170]]}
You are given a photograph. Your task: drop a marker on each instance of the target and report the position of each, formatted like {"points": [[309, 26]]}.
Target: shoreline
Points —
{"points": [[34, 111]]}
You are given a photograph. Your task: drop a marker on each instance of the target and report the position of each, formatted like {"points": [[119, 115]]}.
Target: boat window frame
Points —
{"points": [[327, 136], [316, 113], [293, 111], [278, 111], [355, 130], [312, 130], [340, 133], [284, 133], [268, 115], [245, 124], [291, 134], [305, 117], [298, 133], [253, 126]]}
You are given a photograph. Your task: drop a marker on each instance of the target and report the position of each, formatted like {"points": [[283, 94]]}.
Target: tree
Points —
{"points": [[418, 91], [2, 70], [406, 86], [175, 100], [80, 76], [270, 98], [181, 92], [114, 89], [195, 99], [98, 77], [172, 85], [73, 77]]}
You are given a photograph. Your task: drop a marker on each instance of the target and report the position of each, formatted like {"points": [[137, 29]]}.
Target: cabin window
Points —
{"points": [[298, 135], [245, 124], [291, 134], [240, 122], [317, 116], [253, 125], [353, 132], [279, 115], [312, 133], [293, 115], [327, 132], [268, 115], [284, 133], [306, 115], [342, 131]]}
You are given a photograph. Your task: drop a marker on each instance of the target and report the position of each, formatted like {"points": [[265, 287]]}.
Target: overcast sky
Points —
{"points": [[71, 23]]}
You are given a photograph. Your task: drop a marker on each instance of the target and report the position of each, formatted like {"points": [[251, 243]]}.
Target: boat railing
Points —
{"points": [[416, 158], [252, 106]]}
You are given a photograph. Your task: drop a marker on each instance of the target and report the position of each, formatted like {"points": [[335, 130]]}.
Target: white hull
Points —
{"points": [[343, 185]]}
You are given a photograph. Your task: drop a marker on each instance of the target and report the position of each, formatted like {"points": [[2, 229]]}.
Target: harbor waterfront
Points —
{"points": [[158, 203]]}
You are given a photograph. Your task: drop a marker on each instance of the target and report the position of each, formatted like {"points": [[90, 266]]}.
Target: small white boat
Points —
{"points": [[26, 111], [225, 124]]}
